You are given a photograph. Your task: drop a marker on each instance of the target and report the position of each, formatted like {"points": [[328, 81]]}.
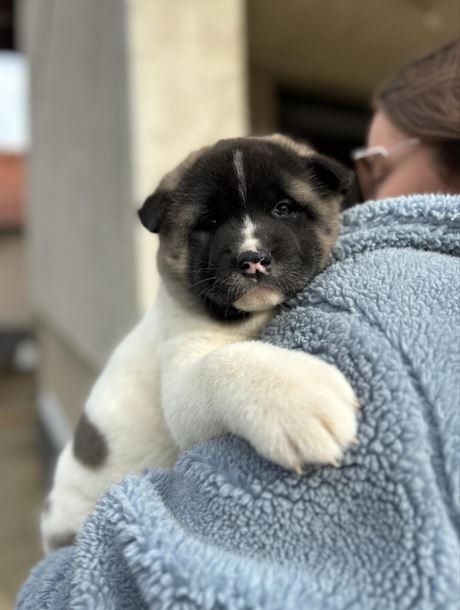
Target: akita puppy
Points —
{"points": [[243, 226]]}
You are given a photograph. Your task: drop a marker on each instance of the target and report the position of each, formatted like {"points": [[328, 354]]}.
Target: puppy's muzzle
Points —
{"points": [[253, 262]]}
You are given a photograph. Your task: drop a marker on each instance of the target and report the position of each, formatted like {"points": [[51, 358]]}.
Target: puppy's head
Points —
{"points": [[246, 223]]}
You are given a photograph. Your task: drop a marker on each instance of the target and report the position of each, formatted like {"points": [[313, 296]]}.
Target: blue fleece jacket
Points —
{"points": [[226, 529]]}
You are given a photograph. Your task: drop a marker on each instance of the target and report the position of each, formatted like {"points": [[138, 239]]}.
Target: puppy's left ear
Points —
{"points": [[329, 176], [153, 210]]}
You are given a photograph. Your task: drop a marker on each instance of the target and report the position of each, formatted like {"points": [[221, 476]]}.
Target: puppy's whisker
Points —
{"points": [[206, 279], [214, 286], [208, 268]]}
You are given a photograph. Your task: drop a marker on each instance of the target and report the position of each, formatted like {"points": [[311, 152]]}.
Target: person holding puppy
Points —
{"points": [[226, 528]]}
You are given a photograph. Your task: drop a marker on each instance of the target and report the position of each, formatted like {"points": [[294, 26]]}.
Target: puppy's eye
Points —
{"points": [[284, 207], [206, 223]]}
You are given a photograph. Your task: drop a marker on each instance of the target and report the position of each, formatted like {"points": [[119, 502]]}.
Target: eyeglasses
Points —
{"points": [[370, 167]]}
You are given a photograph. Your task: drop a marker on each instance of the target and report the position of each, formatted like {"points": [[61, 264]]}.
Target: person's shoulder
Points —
{"points": [[401, 280], [429, 222], [407, 247]]}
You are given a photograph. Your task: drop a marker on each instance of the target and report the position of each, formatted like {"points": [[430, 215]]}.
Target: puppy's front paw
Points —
{"points": [[306, 414]]}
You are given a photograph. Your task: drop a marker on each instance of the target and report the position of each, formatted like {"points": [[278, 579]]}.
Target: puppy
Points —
{"points": [[243, 226]]}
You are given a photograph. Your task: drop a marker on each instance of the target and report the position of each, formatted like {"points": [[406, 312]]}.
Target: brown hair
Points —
{"points": [[423, 100]]}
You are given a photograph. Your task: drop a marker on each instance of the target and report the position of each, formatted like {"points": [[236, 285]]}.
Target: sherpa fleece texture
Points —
{"points": [[225, 529]]}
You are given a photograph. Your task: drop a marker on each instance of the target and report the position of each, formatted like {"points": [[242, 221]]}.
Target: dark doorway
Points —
{"points": [[7, 39]]}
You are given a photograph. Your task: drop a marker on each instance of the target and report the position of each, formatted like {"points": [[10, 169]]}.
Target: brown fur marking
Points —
{"points": [[303, 150]]}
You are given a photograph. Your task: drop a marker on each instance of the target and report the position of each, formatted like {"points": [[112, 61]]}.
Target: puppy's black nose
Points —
{"points": [[251, 262]]}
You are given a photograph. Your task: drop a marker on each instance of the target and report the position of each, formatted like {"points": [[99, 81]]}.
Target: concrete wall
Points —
{"points": [[121, 90], [81, 213]]}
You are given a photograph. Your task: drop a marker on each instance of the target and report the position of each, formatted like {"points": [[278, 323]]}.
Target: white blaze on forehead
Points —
{"points": [[250, 242], [240, 174]]}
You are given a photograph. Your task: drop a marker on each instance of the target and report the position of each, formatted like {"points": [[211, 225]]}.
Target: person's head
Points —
{"points": [[414, 138]]}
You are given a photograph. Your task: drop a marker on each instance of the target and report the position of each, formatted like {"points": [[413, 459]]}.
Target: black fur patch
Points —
{"points": [[153, 210], [89, 445]]}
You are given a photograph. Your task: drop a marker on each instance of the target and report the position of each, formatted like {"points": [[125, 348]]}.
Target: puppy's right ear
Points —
{"points": [[153, 210]]}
